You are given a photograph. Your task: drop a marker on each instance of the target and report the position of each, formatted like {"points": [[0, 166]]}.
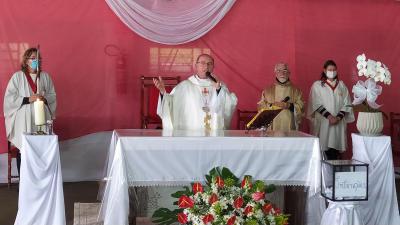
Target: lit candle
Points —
{"points": [[39, 112]]}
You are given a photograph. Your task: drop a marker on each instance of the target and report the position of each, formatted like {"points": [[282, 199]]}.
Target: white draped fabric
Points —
{"points": [[381, 207], [342, 213], [155, 157], [41, 196], [170, 22]]}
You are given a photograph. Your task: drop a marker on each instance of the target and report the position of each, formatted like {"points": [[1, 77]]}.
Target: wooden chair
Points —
{"points": [[244, 116], [395, 136], [12, 153], [149, 99]]}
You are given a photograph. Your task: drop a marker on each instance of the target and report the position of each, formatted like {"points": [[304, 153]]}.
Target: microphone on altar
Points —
{"points": [[209, 76]]}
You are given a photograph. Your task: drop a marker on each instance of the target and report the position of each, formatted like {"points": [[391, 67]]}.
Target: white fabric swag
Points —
{"points": [[170, 22]]}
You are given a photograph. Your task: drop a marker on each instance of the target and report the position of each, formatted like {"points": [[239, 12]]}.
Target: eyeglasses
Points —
{"points": [[205, 63]]}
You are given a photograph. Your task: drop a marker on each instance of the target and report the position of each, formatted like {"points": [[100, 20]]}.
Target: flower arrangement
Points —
{"points": [[366, 93], [223, 200]]}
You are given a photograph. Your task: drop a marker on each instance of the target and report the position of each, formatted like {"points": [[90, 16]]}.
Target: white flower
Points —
{"points": [[362, 72], [361, 65], [361, 58], [373, 69]]}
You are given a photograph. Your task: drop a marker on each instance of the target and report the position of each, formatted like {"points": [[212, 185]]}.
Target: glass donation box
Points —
{"points": [[344, 180]]}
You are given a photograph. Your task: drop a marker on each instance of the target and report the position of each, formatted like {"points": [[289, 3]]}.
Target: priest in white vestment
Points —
{"points": [[199, 100], [23, 89], [330, 110]]}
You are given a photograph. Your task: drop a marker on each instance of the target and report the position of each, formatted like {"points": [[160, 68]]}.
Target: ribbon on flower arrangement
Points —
{"points": [[368, 91]]}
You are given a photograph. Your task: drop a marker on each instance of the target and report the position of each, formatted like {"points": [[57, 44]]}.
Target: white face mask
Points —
{"points": [[331, 74]]}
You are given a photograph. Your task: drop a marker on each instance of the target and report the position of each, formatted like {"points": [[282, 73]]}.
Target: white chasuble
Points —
{"points": [[334, 98], [184, 107], [21, 118]]}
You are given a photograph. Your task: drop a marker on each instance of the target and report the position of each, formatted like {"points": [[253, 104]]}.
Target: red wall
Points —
{"points": [[97, 92]]}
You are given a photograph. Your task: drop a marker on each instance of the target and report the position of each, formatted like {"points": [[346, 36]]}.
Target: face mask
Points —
{"points": [[34, 64], [331, 74]]}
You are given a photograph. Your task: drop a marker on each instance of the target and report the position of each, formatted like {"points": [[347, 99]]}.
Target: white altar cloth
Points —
{"points": [[381, 207], [41, 196], [156, 157]]}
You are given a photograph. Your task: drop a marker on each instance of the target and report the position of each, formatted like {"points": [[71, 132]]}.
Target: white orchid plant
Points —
{"points": [[366, 92]]}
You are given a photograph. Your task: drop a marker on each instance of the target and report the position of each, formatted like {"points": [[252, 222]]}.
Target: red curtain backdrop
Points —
{"points": [[96, 61]]}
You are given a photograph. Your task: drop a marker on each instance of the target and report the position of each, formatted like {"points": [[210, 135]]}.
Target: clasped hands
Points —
{"points": [[333, 120], [283, 105], [36, 97]]}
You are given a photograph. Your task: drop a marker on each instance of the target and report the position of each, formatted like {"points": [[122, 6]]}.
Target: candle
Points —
{"points": [[39, 112]]}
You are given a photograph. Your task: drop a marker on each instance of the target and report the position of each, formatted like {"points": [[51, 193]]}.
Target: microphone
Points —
{"points": [[208, 75], [286, 99]]}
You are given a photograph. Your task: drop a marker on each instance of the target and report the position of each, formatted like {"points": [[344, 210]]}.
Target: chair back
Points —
{"points": [[149, 99], [244, 116]]}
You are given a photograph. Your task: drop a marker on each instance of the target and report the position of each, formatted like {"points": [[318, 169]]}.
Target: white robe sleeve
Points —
{"points": [[349, 115], [315, 101], [12, 102], [164, 110], [224, 103]]}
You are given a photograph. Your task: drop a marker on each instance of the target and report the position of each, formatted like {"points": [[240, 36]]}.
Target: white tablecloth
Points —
{"points": [[154, 157], [41, 197], [381, 207]]}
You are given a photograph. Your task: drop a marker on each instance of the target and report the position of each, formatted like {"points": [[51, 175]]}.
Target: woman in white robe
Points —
{"points": [[184, 107], [25, 87], [330, 110]]}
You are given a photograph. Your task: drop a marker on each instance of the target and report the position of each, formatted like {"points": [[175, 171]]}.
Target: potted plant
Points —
{"points": [[370, 120]]}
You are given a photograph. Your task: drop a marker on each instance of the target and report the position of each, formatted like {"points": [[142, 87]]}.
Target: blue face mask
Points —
{"points": [[34, 64]]}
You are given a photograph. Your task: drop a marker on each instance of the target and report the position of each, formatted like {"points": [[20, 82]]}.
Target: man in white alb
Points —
{"points": [[202, 101]]}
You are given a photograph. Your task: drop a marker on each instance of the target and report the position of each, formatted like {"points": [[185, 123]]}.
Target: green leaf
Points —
{"points": [[270, 188], [164, 216], [178, 194], [259, 185], [226, 173]]}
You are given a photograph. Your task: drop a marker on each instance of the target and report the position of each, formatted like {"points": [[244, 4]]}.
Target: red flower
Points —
{"points": [[257, 196], [182, 218], [246, 182], [266, 208], [197, 187], [220, 182], [248, 210], [238, 202], [213, 198], [277, 211], [185, 202], [208, 218], [231, 220]]}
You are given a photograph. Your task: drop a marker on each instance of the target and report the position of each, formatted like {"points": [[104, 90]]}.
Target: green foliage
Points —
{"points": [[164, 216], [251, 222], [178, 194], [270, 188]]}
